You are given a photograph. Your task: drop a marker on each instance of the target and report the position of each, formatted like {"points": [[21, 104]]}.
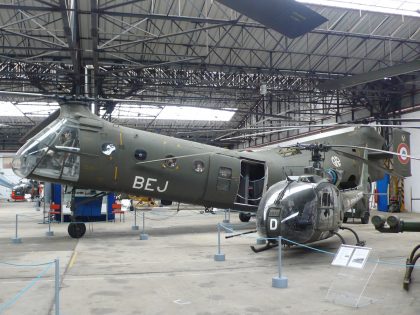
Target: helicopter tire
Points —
{"points": [[76, 230], [244, 217], [365, 218]]}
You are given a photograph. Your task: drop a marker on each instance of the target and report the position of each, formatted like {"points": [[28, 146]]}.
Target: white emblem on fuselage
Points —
{"points": [[148, 184], [335, 160]]}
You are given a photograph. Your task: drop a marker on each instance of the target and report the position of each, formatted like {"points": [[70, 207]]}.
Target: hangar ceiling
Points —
{"points": [[161, 53]]}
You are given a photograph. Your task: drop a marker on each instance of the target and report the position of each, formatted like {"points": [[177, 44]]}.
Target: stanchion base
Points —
{"points": [[219, 257], [261, 241], [135, 227], [16, 240], [279, 282], [226, 221], [49, 233], [144, 237]]}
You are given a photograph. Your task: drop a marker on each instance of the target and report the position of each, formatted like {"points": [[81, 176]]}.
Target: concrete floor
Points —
{"points": [[111, 271]]}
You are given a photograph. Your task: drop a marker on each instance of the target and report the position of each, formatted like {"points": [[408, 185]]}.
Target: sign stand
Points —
{"points": [[357, 266]]}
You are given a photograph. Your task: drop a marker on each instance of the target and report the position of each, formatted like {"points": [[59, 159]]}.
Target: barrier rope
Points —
{"points": [[378, 261], [14, 299]]}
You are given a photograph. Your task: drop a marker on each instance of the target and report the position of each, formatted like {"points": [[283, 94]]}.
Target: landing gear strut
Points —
{"points": [[75, 229]]}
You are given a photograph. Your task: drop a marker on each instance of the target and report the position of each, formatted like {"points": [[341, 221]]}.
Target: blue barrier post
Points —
{"points": [[219, 256], [16, 239], [57, 286], [280, 281], [135, 227], [49, 232], [143, 236]]}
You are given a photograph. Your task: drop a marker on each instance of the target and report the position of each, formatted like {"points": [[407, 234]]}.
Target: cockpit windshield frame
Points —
{"points": [[51, 153]]}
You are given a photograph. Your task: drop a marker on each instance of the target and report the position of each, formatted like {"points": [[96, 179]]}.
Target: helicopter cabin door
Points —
{"points": [[223, 180], [327, 207], [251, 185]]}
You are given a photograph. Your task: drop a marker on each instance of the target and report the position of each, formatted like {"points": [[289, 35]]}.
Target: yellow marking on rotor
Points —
{"points": [[116, 173], [73, 259], [121, 140]]}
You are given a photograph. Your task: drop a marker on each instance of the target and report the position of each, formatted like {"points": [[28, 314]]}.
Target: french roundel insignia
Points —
{"points": [[403, 150]]}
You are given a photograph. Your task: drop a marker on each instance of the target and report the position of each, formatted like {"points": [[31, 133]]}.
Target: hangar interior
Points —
{"points": [[198, 70]]}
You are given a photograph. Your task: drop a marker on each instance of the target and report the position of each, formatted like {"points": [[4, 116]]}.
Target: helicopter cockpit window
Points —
{"points": [[51, 153]]}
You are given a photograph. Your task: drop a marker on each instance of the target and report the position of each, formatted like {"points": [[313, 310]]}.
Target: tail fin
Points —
{"points": [[401, 140]]}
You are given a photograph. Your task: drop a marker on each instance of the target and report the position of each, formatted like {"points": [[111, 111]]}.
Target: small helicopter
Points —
{"points": [[82, 150], [309, 208], [23, 188]]}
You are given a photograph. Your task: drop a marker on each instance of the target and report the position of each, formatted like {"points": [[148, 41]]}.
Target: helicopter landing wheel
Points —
{"points": [[264, 248], [365, 218], [76, 230], [244, 217]]}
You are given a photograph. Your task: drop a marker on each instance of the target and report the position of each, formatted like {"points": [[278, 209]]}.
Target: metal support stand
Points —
{"points": [[135, 227], [227, 216], [37, 204], [219, 256], [57, 286], [261, 241], [16, 239], [43, 213], [49, 232], [143, 236], [280, 281]]}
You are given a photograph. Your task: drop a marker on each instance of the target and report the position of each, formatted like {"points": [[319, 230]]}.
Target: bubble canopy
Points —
{"points": [[51, 154]]}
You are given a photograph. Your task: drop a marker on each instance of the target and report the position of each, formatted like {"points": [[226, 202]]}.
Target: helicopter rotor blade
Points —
{"points": [[373, 150], [370, 164], [287, 17]]}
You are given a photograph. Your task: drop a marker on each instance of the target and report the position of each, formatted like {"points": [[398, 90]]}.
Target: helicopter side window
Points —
{"points": [[326, 199], [223, 179]]}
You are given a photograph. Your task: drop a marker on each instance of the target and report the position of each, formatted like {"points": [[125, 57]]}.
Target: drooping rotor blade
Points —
{"points": [[33, 131], [287, 17], [357, 79], [373, 150], [370, 164], [289, 128]]}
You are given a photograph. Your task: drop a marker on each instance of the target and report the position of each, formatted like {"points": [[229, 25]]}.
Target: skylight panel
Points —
{"points": [[400, 7], [172, 113]]}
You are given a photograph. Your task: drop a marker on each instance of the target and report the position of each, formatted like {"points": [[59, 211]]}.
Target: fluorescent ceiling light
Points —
{"points": [[400, 7], [172, 113]]}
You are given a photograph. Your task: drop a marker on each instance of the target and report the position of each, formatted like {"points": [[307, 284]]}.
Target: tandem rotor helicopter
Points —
{"points": [[82, 150]]}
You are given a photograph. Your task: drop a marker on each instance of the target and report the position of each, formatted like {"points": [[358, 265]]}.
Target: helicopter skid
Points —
{"points": [[264, 248]]}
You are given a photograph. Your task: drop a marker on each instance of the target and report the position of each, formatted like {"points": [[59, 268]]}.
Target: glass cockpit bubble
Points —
{"points": [[50, 154]]}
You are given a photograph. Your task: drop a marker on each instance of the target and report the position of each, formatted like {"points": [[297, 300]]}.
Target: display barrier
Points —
{"points": [[349, 285], [10, 302]]}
